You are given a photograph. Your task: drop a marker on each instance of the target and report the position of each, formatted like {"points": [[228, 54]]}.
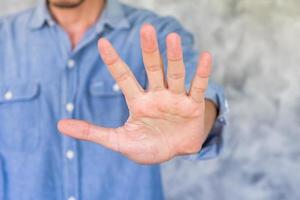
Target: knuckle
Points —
{"points": [[154, 68], [203, 72], [157, 88], [113, 60], [123, 76], [199, 90], [176, 76], [198, 100]]}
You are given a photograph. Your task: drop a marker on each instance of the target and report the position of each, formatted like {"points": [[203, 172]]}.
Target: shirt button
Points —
{"points": [[70, 107], [71, 198], [116, 88], [8, 95], [71, 64], [70, 154]]}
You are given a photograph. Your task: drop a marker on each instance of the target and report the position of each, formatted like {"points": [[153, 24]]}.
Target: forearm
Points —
{"points": [[210, 116]]}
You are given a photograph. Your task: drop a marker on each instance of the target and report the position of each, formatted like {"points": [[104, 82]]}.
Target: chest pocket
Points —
{"points": [[108, 104], [19, 123]]}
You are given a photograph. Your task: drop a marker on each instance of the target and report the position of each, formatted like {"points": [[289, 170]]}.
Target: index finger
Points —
{"points": [[119, 70]]}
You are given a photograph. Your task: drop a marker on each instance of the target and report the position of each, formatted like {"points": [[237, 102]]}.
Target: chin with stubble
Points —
{"points": [[65, 4]]}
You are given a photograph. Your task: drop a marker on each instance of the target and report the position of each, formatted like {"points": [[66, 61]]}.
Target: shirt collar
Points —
{"points": [[40, 16], [113, 15]]}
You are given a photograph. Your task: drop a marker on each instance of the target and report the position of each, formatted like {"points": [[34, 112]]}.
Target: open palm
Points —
{"points": [[164, 120]]}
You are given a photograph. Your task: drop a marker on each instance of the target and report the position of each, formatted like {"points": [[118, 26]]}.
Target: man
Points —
{"points": [[50, 71]]}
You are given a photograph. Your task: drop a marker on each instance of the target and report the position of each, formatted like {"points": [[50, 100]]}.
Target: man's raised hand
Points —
{"points": [[165, 120]]}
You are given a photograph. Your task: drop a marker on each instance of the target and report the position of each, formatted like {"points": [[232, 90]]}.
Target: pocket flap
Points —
{"points": [[104, 89], [18, 92]]}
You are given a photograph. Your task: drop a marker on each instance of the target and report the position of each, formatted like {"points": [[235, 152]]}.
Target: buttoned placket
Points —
{"points": [[70, 151], [70, 144], [70, 147], [68, 94]]}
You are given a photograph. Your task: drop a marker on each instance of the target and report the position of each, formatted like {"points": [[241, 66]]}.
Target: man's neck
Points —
{"points": [[76, 21]]}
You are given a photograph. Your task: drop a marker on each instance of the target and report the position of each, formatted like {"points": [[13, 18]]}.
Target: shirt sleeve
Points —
{"points": [[213, 144]]}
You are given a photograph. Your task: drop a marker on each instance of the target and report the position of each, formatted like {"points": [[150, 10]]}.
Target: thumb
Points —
{"points": [[83, 130]]}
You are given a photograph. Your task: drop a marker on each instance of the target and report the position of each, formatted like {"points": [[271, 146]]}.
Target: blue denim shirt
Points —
{"points": [[43, 80]]}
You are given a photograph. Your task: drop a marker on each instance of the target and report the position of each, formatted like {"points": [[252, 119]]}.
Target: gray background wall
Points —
{"points": [[255, 44]]}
